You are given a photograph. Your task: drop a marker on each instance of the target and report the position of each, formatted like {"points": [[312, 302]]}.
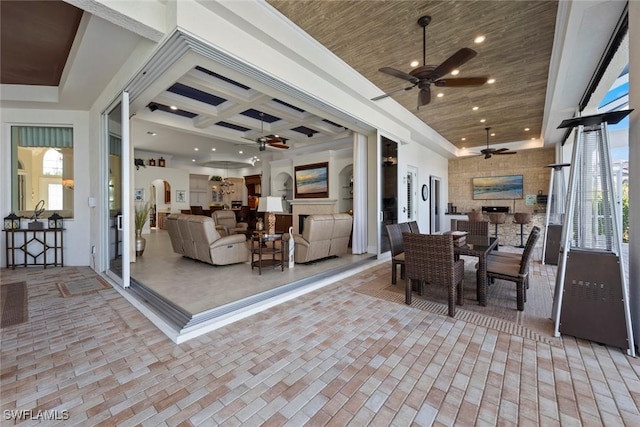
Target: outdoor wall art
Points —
{"points": [[498, 187]]}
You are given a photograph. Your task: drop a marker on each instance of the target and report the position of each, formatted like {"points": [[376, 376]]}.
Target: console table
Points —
{"points": [[36, 247]]}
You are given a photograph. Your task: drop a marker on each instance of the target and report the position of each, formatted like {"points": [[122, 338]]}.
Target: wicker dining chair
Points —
{"points": [[397, 251], [514, 255], [429, 260], [480, 228], [404, 227], [413, 226], [513, 271]]}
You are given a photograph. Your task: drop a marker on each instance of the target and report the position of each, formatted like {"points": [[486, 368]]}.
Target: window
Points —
{"points": [[42, 169], [52, 162]]}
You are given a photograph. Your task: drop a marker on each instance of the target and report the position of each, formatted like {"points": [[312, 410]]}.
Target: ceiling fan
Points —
{"points": [[488, 152], [274, 141], [426, 75]]}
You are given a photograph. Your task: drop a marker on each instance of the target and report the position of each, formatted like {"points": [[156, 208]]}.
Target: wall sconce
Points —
{"points": [[67, 183], [12, 221], [55, 221]]}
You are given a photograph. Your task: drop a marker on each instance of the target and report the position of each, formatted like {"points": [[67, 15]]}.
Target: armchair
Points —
{"points": [[226, 223]]}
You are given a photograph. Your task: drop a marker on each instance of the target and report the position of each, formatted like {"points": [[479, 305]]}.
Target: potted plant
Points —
{"points": [[142, 211], [215, 178]]}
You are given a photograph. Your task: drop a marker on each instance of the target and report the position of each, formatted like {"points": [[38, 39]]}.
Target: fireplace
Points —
{"points": [[304, 207], [301, 218]]}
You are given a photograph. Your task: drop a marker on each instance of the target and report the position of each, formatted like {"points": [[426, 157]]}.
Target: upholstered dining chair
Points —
{"points": [[479, 228], [514, 270], [413, 226], [397, 251], [429, 260]]}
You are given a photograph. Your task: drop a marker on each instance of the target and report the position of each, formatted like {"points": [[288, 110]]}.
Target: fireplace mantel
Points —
{"points": [[313, 201]]}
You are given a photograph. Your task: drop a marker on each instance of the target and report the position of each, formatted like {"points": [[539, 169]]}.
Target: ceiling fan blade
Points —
{"points": [[278, 145], [453, 62], [392, 93], [424, 96], [500, 150], [464, 81], [399, 74], [506, 152]]}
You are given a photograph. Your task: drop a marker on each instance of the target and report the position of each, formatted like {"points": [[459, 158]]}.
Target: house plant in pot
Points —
{"points": [[142, 211]]}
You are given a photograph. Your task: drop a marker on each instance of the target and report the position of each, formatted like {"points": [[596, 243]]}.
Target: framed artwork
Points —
{"points": [[498, 187], [181, 196], [138, 195], [312, 181]]}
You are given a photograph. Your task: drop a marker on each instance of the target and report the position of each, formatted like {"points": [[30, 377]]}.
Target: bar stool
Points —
{"points": [[521, 218], [497, 218], [475, 216]]}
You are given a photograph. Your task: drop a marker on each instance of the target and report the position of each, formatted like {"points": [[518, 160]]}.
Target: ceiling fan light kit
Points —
{"points": [[271, 140], [489, 152], [426, 75]]}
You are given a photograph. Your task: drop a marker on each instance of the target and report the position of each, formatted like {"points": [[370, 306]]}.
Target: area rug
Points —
{"points": [[13, 304], [500, 313], [82, 286]]}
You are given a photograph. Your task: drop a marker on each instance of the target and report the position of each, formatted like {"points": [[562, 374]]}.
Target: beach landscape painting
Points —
{"points": [[312, 181], [498, 187]]}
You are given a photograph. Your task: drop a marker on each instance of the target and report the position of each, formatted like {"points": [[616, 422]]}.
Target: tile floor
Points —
{"points": [[330, 357]]}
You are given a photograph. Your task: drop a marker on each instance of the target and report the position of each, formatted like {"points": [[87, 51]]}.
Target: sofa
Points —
{"points": [[196, 237], [226, 224], [323, 236]]}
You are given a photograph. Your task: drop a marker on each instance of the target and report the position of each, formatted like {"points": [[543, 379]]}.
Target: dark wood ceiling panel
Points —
{"points": [[35, 40], [369, 35]]}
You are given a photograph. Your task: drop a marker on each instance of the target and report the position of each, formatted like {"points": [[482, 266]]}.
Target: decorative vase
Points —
{"points": [[141, 242], [260, 225]]}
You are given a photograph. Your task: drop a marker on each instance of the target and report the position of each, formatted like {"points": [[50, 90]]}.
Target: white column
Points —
{"points": [[634, 167], [359, 241]]}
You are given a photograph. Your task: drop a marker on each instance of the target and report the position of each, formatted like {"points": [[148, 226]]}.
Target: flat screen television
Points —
{"points": [[507, 187]]}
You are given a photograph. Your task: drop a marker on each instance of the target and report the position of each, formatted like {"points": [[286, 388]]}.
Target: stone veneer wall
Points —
{"points": [[529, 163]]}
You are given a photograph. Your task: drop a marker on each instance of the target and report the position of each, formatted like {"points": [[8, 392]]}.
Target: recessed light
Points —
{"points": [[173, 107], [479, 39], [196, 149], [213, 149], [464, 148], [240, 152], [482, 120], [475, 108], [463, 139], [491, 81], [526, 129], [257, 160], [193, 160], [440, 95], [151, 133], [414, 63], [493, 134], [533, 139], [455, 72]]}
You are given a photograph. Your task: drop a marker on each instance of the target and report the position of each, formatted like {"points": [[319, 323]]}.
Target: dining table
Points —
{"points": [[479, 246]]}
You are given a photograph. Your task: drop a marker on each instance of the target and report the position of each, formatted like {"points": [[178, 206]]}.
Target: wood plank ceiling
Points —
{"points": [[369, 35]]}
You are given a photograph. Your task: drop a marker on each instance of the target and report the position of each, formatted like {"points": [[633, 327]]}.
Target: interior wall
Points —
{"points": [[528, 163]]}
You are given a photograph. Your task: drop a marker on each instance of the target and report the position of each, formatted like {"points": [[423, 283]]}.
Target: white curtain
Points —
{"points": [[359, 240]]}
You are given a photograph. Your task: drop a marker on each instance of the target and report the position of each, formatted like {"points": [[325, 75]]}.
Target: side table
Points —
{"points": [[260, 250]]}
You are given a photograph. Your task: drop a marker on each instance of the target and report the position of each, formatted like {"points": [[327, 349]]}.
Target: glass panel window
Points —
{"points": [[42, 169]]}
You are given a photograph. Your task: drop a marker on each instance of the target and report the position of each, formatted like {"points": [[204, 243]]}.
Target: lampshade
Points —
{"points": [[270, 204]]}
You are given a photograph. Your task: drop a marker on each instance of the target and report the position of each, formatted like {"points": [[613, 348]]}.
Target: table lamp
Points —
{"points": [[271, 205]]}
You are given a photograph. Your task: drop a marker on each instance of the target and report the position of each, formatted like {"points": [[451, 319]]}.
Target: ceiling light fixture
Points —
{"points": [[455, 72], [493, 134], [440, 95], [491, 81], [213, 149], [151, 133], [463, 139], [479, 39], [240, 152], [482, 120], [196, 149], [475, 108], [193, 160], [173, 107], [414, 63], [526, 129]]}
